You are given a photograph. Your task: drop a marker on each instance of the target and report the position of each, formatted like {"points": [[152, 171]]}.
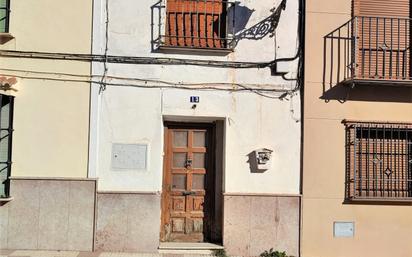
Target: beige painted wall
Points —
{"points": [[380, 230], [51, 116]]}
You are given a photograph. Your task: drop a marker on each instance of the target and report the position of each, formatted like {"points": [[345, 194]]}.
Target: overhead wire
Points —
{"points": [[186, 86], [132, 59], [106, 48], [105, 58], [260, 86]]}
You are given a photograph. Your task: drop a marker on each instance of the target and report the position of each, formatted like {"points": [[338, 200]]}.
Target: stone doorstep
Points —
{"points": [[189, 246], [89, 254], [188, 249]]}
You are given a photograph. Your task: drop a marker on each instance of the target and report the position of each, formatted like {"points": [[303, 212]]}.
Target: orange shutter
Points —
{"points": [[382, 8], [383, 43], [195, 23]]}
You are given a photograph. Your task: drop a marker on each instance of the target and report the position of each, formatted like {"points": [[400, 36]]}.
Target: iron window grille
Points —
{"points": [[6, 135], [4, 16], [378, 161], [201, 24]]}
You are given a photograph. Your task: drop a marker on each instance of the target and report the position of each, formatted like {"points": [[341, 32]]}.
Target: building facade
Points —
{"points": [[357, 149], [146, 126], [195, 129], [48, 203]]}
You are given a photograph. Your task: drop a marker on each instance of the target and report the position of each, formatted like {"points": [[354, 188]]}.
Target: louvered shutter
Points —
{"points": [[383, 28], [382, 8]]}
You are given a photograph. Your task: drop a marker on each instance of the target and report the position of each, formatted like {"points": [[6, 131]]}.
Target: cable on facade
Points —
{"points": [[264, 87], [105, 58], [106, 49], [132, 59], [186, 86]]}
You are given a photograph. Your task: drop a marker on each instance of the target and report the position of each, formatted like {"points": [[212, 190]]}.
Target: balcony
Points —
{"points": [[369, 51], [193, 24]]}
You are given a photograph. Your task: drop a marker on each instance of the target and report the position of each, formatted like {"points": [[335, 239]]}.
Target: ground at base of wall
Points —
{"points": [[30, 253]]}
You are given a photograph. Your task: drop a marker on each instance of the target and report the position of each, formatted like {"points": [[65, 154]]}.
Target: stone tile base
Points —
{"points": [[59, 214], [128, 222], [253, 224], [49, 214]]}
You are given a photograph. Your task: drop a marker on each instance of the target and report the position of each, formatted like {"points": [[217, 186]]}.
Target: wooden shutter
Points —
{"points": [[196, 23], [382, 8]]}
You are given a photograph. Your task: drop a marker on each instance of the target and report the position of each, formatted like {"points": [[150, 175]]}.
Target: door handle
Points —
{"points": [[188, 163], [187, 193]]}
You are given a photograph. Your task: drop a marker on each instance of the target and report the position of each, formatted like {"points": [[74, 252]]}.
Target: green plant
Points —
{"points": [[220, 253], [272, 253]]}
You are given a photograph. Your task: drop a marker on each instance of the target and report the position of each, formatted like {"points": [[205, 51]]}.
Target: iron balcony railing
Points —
{"points": [[367, 49], [4, 16], [378, 161], [207, 24]]}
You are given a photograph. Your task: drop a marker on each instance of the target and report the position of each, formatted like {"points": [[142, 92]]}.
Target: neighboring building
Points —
{"points": [[49, 202], [357, 166], [186, 97]]}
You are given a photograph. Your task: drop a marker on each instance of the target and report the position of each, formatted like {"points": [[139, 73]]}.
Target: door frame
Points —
{"points": [[211, 177]]}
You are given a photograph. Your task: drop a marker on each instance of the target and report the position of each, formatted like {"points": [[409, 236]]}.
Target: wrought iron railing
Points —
{"points": [[4, 16], [369, 49], [378, 161], [207, 24]]}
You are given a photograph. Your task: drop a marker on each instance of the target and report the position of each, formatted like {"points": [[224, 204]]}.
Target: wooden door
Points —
{"points": [[187, 185]]}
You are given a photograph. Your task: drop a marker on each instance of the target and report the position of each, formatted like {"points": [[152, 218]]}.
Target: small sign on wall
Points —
{"points": [[343, 229], [129, 157], [194, 99]]}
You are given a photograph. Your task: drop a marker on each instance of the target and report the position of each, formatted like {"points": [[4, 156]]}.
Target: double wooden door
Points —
{"points": [[187, 184]]}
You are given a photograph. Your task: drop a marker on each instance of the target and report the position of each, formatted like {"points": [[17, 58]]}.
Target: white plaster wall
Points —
{"points": [[135, 115]]}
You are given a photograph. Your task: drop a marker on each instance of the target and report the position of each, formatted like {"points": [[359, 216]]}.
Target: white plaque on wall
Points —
{"points": [[343, 229], [129, 157]]}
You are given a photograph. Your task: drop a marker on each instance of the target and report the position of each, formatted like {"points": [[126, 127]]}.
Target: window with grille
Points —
{"points": [[6, 132], [4, 16], [378, 161], [196, 24]]}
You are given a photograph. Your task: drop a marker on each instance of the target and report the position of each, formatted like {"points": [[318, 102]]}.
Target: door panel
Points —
{"points": [[185, 191]]}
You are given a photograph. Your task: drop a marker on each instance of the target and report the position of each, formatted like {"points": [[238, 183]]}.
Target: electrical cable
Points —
{"points": [[105, 58], [106, 49], [132, 59], [263, 87], [176, 86]]}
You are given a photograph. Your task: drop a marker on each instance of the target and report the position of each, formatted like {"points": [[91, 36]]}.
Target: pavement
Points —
{"points": [[30, 253]]}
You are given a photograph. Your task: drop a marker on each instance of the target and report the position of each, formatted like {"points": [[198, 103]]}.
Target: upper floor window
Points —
{"points": [[378, 161], [6, 132], [196, 24], [4, 16]]}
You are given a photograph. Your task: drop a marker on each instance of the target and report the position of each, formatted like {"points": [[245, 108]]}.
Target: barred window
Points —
{"points": [[378, 161]]}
